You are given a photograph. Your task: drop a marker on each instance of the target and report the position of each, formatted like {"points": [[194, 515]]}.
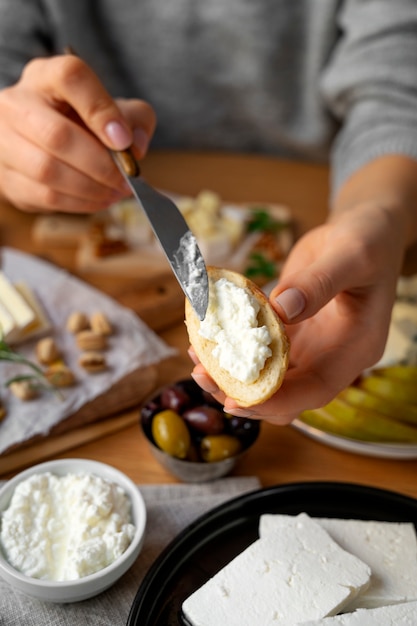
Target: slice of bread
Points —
{"points": [[272, 374]]}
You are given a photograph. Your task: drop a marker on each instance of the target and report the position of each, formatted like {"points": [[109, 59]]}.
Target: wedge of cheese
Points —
{"points": [[16, 307], [286, 577], [41, 323], [404, 614], [390, 550], [21, 315], [7, 322]]}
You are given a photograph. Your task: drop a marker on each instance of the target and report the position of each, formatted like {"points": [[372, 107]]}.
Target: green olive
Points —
{"points": [[219, 447], [171, 434]]}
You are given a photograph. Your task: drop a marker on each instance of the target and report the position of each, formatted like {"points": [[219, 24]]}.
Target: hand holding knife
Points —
{"points": [[170, 228]]}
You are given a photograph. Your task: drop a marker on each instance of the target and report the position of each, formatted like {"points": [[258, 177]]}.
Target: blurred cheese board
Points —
{"points": [[253, 238], [56, 378]]}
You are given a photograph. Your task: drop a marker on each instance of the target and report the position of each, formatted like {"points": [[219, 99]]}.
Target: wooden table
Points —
{"points": [[282, 454]]}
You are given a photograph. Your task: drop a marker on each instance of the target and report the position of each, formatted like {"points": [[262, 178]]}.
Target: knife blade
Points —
{"points": [[178, 242]]}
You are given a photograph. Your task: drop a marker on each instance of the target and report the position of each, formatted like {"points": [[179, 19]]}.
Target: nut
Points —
{"points": [[47, 351], [23, 389], [77, 321], [90, 340], [93, 362], [60, 376], [2, 412], [100, 324]]}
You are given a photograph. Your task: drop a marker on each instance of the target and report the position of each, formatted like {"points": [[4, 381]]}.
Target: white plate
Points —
{"points": [[402, 451]]}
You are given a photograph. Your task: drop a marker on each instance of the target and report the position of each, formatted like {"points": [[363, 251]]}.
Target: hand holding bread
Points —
{"points": [[240, 339]]}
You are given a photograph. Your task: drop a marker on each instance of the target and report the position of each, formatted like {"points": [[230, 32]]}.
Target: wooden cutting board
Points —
{"points": [[139, 281], [140, 277]]}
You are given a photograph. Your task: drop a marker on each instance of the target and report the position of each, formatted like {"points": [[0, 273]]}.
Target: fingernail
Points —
{"points": [[292, 302], [141, 140], [238, 412], [118, 135], [206, 385]]}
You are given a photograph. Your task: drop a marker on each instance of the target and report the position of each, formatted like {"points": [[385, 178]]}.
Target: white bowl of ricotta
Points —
{"points": [[69, 529]]}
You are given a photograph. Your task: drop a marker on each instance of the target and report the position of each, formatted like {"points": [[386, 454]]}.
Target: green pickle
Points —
{"points": [[219, 447], [380, 407], [171, 434], [340, 418]]}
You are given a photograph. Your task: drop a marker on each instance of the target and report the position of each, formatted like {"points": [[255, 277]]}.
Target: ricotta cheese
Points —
{"points": [[404, 614], [65, 527], [242, 347], [287, 577], [390, 550]]}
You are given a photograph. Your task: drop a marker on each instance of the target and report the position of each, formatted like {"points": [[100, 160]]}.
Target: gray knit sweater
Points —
{"points": [[311, 79]]}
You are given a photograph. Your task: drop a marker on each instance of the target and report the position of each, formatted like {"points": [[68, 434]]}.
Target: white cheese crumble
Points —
{"points": [[65, 527], [242, 347]]}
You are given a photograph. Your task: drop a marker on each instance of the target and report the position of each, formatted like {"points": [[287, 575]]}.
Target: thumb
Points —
{"points": [[301, 294]]}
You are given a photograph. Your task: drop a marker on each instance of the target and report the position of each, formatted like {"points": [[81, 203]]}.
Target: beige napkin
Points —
{"points": [[170, 508], [134, 345]]}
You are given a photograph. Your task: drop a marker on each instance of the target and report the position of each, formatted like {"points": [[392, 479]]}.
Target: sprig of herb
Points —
{"points": [[260, 266], [37, 378], [262, 221]]}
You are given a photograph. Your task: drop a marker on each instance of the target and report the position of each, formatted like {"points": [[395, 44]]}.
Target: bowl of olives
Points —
{"points": [[190, 434]]}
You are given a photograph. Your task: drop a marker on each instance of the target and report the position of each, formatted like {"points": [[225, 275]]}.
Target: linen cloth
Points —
{"points": [[170, 508], [134, 345]]}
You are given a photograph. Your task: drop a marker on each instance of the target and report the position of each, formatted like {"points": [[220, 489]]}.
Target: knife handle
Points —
{"points": [[127, 162], [125, 158]]}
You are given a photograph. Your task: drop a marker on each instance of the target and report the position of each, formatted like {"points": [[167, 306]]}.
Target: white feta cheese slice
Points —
{"points": [[16, 306], [285, 577], [390, 550], [404, 614], [7, 323], [41, 324]]}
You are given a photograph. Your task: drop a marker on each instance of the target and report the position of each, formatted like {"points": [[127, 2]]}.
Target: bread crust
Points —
{"points": [[273, 372]]}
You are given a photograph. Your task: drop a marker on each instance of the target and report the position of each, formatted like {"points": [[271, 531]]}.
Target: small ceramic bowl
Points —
{"points": [[180, 397], [93, 584]]}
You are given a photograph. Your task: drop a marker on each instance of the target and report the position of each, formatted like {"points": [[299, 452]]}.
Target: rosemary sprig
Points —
{"points": [[36, 378]]}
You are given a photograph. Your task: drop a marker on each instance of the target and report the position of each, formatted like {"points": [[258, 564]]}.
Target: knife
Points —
{"points": [[170, 228]]}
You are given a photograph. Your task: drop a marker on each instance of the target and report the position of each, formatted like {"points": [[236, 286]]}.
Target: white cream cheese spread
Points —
{"points": [[65, 527], [242, 347]]}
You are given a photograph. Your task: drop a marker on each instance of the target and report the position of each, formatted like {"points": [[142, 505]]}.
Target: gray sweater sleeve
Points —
{"points": [[23, 35], [370, 85]]}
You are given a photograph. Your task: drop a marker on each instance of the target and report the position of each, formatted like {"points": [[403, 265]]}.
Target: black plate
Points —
{"points": [[216, 537]]}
